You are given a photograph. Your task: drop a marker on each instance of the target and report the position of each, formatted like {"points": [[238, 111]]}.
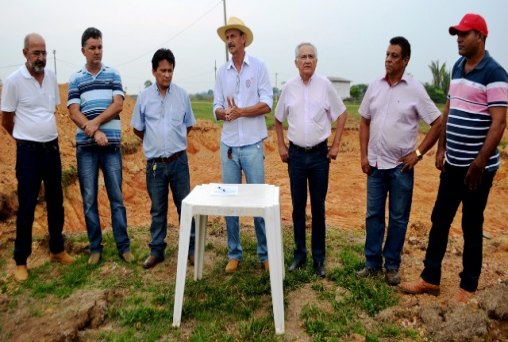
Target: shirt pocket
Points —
{"points": [[152, 111], [30, 101], [51, 101], [318, 114], [177, 114]]}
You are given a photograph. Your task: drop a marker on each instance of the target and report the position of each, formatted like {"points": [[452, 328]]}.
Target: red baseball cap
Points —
{"points": [[470, 22]]}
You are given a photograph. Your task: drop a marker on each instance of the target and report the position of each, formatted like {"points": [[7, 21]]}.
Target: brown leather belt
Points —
{"points": [[166, 160]]}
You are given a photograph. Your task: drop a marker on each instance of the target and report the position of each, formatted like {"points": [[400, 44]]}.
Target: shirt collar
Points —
{"points": [[404, 78], [157, 91], [85, 70], [26, 74], [246, 61], [478, 66], [310, 79]]}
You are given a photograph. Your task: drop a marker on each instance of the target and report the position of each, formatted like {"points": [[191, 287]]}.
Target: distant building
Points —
{"points": [[342, 86]]}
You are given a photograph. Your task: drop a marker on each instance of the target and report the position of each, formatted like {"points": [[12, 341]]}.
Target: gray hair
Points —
{"points": [[297, 50]]}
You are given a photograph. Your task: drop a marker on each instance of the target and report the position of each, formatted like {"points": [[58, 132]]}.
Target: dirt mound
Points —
{"points": [[83, 310], [345, 200]]}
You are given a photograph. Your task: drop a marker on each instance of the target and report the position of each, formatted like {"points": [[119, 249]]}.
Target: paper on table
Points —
{"points": [[224, 189]]}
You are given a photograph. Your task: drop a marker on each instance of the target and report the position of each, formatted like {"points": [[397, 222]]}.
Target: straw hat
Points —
{"points": [[236, 23]]}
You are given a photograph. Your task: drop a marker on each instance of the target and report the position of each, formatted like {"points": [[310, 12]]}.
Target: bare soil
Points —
{"points": [[345, 211]]}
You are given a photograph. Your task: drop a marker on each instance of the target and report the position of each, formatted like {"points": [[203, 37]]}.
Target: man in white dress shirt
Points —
{"points": [[311, 104]]}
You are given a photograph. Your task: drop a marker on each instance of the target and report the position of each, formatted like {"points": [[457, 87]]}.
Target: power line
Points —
{"points": [[173, 37], [10, 66], [225, 23], [70, 64]]}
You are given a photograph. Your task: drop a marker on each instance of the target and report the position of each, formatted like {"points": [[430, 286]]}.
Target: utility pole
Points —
{"points": [[54, 59], [225, 23]]}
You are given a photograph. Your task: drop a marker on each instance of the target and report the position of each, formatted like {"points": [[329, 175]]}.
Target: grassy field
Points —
{"points": [[220, 307], [203, 110]]}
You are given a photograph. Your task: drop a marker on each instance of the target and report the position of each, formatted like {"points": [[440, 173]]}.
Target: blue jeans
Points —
{"points": [[109, 160], [36, 163], [399, 186], [159, 178], [452, 191], [250, 159], [312, 167]]}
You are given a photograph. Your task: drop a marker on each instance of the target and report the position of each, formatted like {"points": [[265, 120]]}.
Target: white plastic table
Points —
{"points": [[251, 200]]}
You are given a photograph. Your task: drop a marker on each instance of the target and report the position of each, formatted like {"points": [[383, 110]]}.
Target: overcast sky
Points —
{"points": [[351, 36]]}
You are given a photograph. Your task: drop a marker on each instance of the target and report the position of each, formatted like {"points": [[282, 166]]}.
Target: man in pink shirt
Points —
{"points": [[310, 103], [390, 113]]}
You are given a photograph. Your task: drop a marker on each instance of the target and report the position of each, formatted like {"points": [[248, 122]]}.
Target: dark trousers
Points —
{"points": [[312, 167], [160, 177], [453, 191], [36, 163]]}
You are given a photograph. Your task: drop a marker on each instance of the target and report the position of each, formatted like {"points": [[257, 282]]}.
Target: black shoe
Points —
{"points": [[368, 272], [297, 264], [152, 261], [392, 277], [319, 269]]}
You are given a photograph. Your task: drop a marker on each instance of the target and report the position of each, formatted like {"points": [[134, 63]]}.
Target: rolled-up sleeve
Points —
{"points": [[280, 110], [364, 110], [218, 96], [265, 87], [138, 119], [189, 119], [337, 107]]}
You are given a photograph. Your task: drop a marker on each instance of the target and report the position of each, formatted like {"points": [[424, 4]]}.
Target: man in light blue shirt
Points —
{"points": [[162, 118], [243, 95]]}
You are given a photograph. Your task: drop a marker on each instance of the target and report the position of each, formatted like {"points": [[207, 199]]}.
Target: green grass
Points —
{"points": [[69, 176], [502, 144], [362, 296], [204, 110], [219, 307]]}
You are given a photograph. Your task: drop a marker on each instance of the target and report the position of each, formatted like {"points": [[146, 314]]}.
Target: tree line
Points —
{"points": [[437, 89]]}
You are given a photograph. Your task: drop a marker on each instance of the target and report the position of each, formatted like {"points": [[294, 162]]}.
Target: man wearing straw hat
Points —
{"points": [[243, 95]]}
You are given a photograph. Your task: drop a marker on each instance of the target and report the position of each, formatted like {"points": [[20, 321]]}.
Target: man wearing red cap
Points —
{"points": [[467, 155]]}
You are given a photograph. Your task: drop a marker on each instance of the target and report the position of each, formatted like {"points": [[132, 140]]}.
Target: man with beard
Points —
{"points": [[29, 98], [243, 95], [467, 156]]}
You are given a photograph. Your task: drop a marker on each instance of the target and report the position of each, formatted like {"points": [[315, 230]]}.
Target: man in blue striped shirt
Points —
{"points": [[467, 155], [95, 101]]}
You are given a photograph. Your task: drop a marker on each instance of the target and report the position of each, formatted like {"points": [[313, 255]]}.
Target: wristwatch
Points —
{"points": [[419, 155]]}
